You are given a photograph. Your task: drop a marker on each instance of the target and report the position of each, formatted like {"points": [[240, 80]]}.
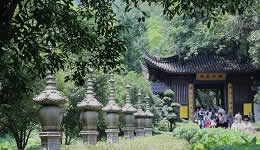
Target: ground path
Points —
{"points": [[164, 141]]}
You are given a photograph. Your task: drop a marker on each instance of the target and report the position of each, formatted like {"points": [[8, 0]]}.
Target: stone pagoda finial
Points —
{"points": [[128, 98], [139, 116], [128, 110], [147, 111], [50, 96], [90, 102], [112, 106], [140, 111], [148, 126]]}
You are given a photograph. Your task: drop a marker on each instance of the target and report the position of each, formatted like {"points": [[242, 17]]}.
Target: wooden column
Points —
{"points": [[230, 98], [191, 101]]}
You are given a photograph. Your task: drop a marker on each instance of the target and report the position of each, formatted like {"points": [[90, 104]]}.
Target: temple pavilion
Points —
{"points": [[235, 78]]}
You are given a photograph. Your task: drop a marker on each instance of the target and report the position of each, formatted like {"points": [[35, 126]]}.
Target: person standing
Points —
{"points": [[237, 122], [196, 114], [207, 121], [229, 120], [221, 120], [246, 125], [201, 117]]}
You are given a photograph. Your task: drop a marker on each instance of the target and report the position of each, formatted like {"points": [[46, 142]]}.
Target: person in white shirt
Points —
{"points": [[237, 122], [221, 110], [247, 125]]}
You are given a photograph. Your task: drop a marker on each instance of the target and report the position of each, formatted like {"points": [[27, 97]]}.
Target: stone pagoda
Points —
{"points": [[129, 117], [148, 128], [51, 114], [112, 110], [139, 117], [89, 107]]}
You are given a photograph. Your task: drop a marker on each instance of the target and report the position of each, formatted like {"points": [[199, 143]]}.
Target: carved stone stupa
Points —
{"points": [[148, 128], [129, 117], [139, 117], [89, 107], [112, 110], [51, 114]]}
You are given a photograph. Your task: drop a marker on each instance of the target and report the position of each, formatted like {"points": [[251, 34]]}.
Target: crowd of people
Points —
{"points": [[213, 118]]}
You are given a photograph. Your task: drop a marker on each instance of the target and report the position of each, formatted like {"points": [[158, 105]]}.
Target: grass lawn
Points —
{"points": [[163, 141]]}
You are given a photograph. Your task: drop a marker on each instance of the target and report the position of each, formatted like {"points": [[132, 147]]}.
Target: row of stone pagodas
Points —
{"points": [[51, 115]]}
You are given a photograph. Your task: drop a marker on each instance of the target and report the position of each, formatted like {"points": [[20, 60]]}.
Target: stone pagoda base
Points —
{"points": [[139, 132], [112, 136], [148, 131], [129, 132], [89, 137], [50, 140]]}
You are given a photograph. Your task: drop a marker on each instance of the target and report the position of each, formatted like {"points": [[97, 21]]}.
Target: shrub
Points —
{"points": [[187, 131], [217, 138], [7, 143], [163, 125], [257, 126]]}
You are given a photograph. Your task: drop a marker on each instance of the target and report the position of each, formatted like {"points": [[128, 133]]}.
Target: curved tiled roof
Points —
{"points": [[203, 63]]}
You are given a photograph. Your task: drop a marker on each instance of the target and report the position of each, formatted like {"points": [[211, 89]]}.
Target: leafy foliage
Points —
{"points": [[133, 35], [87, 29], [77, 35], [137, 82], [216, 138], [257, 97], [19, 114]]}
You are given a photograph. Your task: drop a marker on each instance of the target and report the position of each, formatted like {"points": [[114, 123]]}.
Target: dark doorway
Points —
{"points": [[209, 96]]}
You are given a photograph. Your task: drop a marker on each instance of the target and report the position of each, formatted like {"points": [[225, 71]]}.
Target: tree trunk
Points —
{"points": [[174, 123], [66, 139], [171, 129], [21, 136], [7, 9], [70, 138]]}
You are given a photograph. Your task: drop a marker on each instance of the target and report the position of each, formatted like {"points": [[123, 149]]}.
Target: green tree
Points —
{"points": [[71, 120], [231, 34], [170, 108], [77, 35], [134, 36], [29, 27], [19, 114]]}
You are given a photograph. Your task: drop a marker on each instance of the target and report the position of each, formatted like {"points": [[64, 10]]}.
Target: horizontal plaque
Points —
{"points": [[210, 76]]}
